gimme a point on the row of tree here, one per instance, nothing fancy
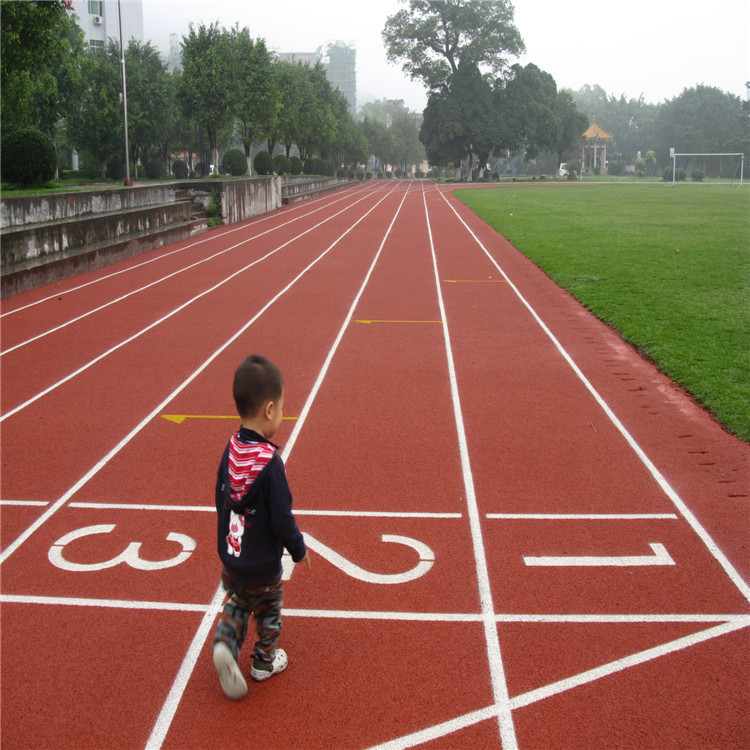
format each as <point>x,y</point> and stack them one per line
<point>702,119</point>
<point>477,104</point>
<point>231,91</point>
<point>472,117</point>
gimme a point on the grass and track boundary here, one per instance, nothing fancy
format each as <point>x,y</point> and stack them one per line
<point>669,269</point>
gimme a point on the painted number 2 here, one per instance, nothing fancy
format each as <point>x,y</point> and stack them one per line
<point>426,559</point>
<point>130,556</point>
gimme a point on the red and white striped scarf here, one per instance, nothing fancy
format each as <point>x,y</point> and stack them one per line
<point>246,461</point>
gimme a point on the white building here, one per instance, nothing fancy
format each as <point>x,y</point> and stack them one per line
<point>100,20</point>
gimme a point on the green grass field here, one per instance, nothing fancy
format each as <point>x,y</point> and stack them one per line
<point>669,268</point>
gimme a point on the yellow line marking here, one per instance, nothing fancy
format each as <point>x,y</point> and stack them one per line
<point>475,281</point>
<point>397,321</point>
<point>180,418</point>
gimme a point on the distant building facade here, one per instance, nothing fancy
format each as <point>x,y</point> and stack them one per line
<point>100,20</point>
<point>339,59</point>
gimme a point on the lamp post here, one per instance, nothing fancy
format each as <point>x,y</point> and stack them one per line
<point>124,100</point>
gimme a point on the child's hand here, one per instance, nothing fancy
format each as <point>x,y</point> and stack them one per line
<point>306,559</point>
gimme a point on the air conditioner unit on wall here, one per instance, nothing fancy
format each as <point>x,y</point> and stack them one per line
<point>98,20</point>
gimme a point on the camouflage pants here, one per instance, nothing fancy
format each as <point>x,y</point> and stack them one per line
<point>264,603</point>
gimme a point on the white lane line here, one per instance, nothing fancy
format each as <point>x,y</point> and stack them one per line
<point>582,516</point>
<point>737,623</point>
<point>176,310</point>
<point>678,502</point>
<point>25,503</point>
<point>67,601</point>
<point>162,279</point>
<point>133,506</point>
<point>497,671</point>
<point>169,708</point>
<point>475,717</point>
<point>211,509</point>
<point>365,614</point>
<point>326,365</point>
<point>160,407</point>
<point>250,223</point>
<point>375,514</point>
<point>440,730</point>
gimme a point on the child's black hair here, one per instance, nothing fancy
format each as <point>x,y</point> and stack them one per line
<point>256,382</point>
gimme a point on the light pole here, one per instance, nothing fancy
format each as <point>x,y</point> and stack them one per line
<point>124,100</point>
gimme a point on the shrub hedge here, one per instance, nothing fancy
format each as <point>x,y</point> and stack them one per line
<point>234,162</point>
<point>27,158</point>
<point>263,163</point>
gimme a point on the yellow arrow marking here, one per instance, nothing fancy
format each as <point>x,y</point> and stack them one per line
<point>180,418</point>
<point>475,281</point>
<point>397,321</point>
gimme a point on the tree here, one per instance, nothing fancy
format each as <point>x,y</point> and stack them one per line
<point>379,139</point>
<point>96,124</point>
<point>34,36</point>
<point>527,106</point>
<point>205,91</point>
<point>433,37</point>
<point>572,125</point>
<point>287,79</point>
<point>349,143</point>
<point>317,123</point>
<point>408,149</point>
<point>460,121</point>
<point>176,132</point>
<point>42,53</point>
<point>255,100</point>
<point>148,87</point>
<point>631,122</point>
<point>703,119</point>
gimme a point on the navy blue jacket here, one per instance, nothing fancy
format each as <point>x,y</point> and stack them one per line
<point>254,530</point>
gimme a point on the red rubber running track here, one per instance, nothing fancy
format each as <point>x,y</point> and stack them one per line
<point>522,535</point>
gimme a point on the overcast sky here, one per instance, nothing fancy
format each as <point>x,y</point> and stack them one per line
<point>655,48</point>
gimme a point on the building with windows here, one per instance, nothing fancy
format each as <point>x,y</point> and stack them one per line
<point>100,20</point>
<point>340,62</point>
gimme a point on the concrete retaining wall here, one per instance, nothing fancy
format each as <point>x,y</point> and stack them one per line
<point>33,241</point>
<point>295,189</point>
<point>52,236</point>
<point>35,209</point>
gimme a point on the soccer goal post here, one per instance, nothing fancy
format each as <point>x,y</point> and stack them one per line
<point>739,156</point>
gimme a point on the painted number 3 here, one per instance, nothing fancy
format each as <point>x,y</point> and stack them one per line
<point>131,555</point>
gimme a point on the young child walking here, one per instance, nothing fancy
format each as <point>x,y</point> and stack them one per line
<point>255,524</point>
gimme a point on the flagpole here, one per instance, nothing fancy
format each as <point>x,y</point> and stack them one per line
<point>124,100</point>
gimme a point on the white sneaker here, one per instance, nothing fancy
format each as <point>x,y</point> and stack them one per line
<point>279,664</point>
<point>232,682</point>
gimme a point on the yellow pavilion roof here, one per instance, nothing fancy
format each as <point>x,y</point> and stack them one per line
<point>595,131</point>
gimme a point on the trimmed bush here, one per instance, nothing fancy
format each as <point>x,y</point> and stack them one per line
<point>295,165</point>
<point>263,163</point>
<point>667,175</point>
<point>697,175</point>
<point>318,167</point>
<point>154,169</point>
<point>180,169</point>
<point>234,162</point>
<point>27,158</point>
<point>281,164</point>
